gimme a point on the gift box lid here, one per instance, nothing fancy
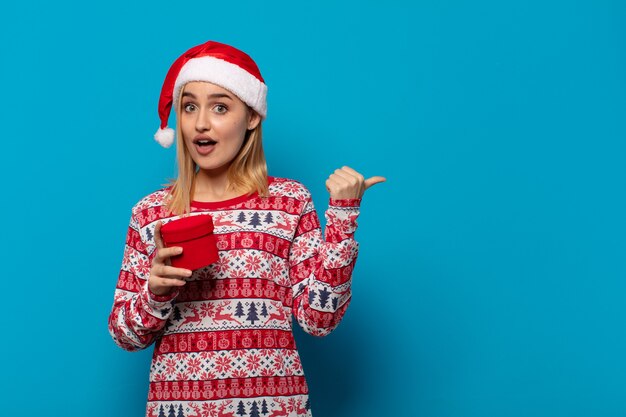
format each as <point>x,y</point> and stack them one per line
<point>186,228</point>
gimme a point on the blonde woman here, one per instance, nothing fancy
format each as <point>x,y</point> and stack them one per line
<point>223,333</point>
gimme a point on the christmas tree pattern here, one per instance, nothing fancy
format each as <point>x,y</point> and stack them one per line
<point>149,234</point>
<point>254,410</point>
<point>252,315</point>
<point>324,293</point>
<point>239,310</point>
<point>176,315</point>
<point>235,354</point>
<point>240,409</point>
<point>255,220</point>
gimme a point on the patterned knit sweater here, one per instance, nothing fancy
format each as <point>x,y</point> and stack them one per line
<point>223,342</point>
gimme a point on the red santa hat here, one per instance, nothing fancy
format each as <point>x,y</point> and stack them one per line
<point>216,63</point>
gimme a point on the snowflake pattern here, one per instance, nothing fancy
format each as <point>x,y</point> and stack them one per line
<point>232,321</point>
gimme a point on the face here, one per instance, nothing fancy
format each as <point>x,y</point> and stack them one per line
<point>214,122</point>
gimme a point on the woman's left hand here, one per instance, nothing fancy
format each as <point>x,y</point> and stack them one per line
<point>347,183</point>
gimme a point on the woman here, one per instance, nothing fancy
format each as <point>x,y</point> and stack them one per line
<point>223,333</point>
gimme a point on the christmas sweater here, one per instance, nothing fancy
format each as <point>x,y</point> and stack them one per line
<point>223,343</point>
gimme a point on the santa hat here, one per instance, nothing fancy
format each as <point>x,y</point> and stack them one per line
<point>216,63</point>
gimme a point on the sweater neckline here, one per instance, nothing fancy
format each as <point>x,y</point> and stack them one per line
<point>223,203</point>
<point>228,202</point>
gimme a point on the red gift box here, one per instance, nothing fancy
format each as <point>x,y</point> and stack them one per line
<point>195,235</point>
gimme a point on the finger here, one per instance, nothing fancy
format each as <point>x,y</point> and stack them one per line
<point>157,271</point>
<point>167,271</point>
<point>348,176</point>
<point>170,282</point>
<point>173,272</point>
<point>335,183</point>
<point>342,178</point>
<point>355,173</point>
<point>163,254</point>
<point>351,179</point>
<point>158,241</point>
<point>338,183</point>
<point>374,180</point>
<point>360,177</point>
<point>330,184</point>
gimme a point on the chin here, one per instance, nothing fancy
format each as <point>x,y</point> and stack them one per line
<point>212,161</point>
<point>212,167</point>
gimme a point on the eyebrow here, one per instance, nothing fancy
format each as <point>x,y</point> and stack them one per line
<point>216,95</point>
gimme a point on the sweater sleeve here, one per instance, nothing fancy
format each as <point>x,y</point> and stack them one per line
<point>320,269</point>
<point>138,315</point>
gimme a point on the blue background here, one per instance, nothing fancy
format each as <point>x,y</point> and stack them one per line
<point>491,277</point>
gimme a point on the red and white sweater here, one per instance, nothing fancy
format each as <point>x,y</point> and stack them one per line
<point>223,342</point>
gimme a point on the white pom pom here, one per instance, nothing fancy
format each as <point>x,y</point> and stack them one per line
<point>165,137</point>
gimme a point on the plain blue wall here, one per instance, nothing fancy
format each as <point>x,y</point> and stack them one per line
<point>491,277</point>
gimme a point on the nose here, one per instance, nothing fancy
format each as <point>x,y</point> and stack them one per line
<point>202,121</point>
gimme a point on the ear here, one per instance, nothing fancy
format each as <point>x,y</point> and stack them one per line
<point>253,119</point>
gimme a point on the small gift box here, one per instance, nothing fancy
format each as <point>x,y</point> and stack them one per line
<point>195,235</point>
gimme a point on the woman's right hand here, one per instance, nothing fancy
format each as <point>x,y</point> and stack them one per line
<point>164,277</point>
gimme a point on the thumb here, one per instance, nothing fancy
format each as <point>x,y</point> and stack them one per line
<point>157,235</point>
<point>374,180</point>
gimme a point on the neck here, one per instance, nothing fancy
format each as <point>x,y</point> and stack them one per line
<point>213,185</point>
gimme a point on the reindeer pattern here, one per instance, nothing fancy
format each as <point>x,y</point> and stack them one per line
<point>224,344</point>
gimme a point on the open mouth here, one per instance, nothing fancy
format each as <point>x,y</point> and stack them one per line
<point>205,142</point>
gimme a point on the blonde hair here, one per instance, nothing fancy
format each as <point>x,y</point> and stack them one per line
<point>247,171</point>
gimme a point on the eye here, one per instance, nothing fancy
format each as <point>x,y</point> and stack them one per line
<point>188,107</point>
<point>220,108</point>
